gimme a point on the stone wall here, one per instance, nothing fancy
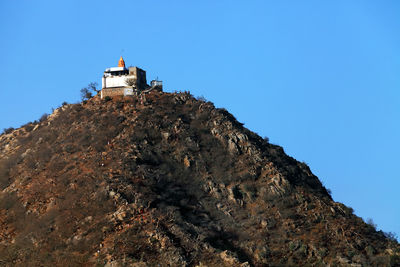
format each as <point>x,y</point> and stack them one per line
<point>120,91</point>
<point>140,77</point>
<point>112,92</point>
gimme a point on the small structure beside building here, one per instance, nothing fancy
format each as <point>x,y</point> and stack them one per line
<point>156,83</point>
<point>122,81</point>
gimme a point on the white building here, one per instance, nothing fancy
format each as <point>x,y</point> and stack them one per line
<point>122,81</point>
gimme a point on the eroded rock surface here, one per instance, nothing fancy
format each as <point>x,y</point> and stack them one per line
<point>167,181</point>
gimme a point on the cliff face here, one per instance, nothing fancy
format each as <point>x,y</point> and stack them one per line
<point>168,180</point>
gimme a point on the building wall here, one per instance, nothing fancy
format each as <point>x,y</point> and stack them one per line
<point>116,81</point>
<point>117,86</point>
<point>118,91</point>
<point>141,82</point>
<point>156,84</point>
<point>112,92</point>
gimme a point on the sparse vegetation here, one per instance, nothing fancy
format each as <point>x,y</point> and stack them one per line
<point>391,236</point>
<point>172,181</point>
<point>130,81</point>
<point>8,130</point>
<point>371,223</point>
<point>43,117</point>
<point>87,92</point>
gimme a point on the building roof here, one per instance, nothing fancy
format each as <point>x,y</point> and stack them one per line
<point>115,69</point>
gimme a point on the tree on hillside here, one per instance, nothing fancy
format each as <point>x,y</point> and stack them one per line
<point>130,81</point>
<point>86,92</point>
<point>93,87</point>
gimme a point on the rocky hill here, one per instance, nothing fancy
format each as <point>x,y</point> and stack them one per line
<point>168,180</point>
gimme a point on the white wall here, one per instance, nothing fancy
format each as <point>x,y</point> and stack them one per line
<point>115,81</point>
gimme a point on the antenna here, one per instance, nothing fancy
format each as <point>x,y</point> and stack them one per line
<point>122,51</point>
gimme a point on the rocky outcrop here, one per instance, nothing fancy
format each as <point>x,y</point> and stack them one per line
<point>167,180</point>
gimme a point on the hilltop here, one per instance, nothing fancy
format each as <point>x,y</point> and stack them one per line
<point>168,180</point>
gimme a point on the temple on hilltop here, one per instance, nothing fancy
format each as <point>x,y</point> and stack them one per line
<point>122,81</point>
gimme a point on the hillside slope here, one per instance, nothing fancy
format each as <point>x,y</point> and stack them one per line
<point>168,181</point>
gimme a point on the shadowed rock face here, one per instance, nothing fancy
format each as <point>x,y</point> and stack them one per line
<point>167,180</point>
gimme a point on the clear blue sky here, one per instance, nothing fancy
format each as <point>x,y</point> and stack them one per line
<point>320,78</point>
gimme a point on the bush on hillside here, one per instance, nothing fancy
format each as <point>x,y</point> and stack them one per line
<point>8,130</point>
<point>43,117</point>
